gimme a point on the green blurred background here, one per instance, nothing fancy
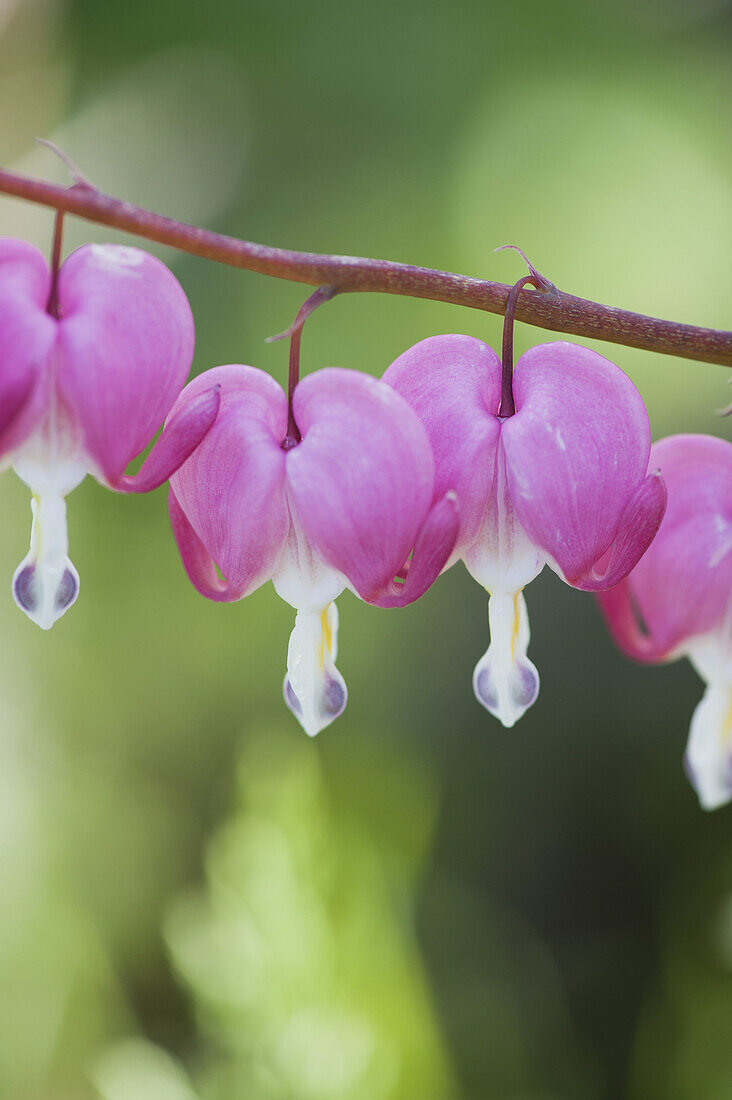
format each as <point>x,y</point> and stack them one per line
<point>198,903</point>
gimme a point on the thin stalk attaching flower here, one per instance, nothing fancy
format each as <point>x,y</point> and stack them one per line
<point>322,294</point>
<point>56,250</point>
<point>508,406</point>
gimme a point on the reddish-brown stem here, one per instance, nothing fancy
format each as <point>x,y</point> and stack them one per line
<point>58,234</point>
<point>507,406</point>
<point>321,295</point>
<point>560,312</point>
<point>293,436</point>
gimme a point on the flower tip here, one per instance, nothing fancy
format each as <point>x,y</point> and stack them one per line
<point>321,711</point>
<point>711,796</point>
<point>506,693</point>
<point>708,759</point>
<point>505,681</point>
<point>313,688</point>
<point>45,594</point>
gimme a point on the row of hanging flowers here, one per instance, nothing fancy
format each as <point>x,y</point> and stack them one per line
<point>372,485</point>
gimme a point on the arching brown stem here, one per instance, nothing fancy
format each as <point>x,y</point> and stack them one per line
<point>560,313</point>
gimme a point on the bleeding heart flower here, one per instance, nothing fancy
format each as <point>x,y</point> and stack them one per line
<point>677,602</point>
<point>89,367</point>
<point>561,482</point>
<point>343,508</point>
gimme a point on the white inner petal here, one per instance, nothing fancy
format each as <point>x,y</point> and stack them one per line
<point>711,654</point>
<point>502,558</point>
<point>314,689</point>
<point>46,584</point>
<point>51,460</point>
<point>302,578</point>
<point>505,681</point>
<point>51,463</point>
<point>708,757</point>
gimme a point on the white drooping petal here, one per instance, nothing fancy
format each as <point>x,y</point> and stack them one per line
<point>504,560</point>
<point>505,681</point>
<point>302,578</point>
<point>45,584</point>
<point>314,689</point>
<point>708,758</point>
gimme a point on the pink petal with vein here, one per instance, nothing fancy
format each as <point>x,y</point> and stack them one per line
<point>125,347</point>
<point>576,453</point>
<point>681,588</point>
<point>229,504</point>
<point>361,483</point>
<point>453,383</point>
<point>27,335</point>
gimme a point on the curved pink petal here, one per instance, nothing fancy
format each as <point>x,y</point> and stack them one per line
<point>125,348</point>
<point>197,562</point>
<point>681,587</point>
<point>361,480</point>
<point>432,550</point>
<point>453,383</point>
<point>27,334</point>
<point>638,525</point>
<point>577,452</point>
<point>622,615</point>
<point>182,434</point>
<point>15,391</point>
<point>231,491</point>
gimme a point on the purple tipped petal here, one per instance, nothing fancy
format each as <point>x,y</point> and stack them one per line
<point>46,584</point>
<point>182,434</point>
<point>432,550</point>
<point>638,525</point>
<point>27,334</point>
<point>313,688</point>
<point>505,681</point>
<point>361,481</point>
<point>453,383</point>
<point>577,452</point>
<point>44,604</point>
<point>232,490</point>
<point>125,349</point>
